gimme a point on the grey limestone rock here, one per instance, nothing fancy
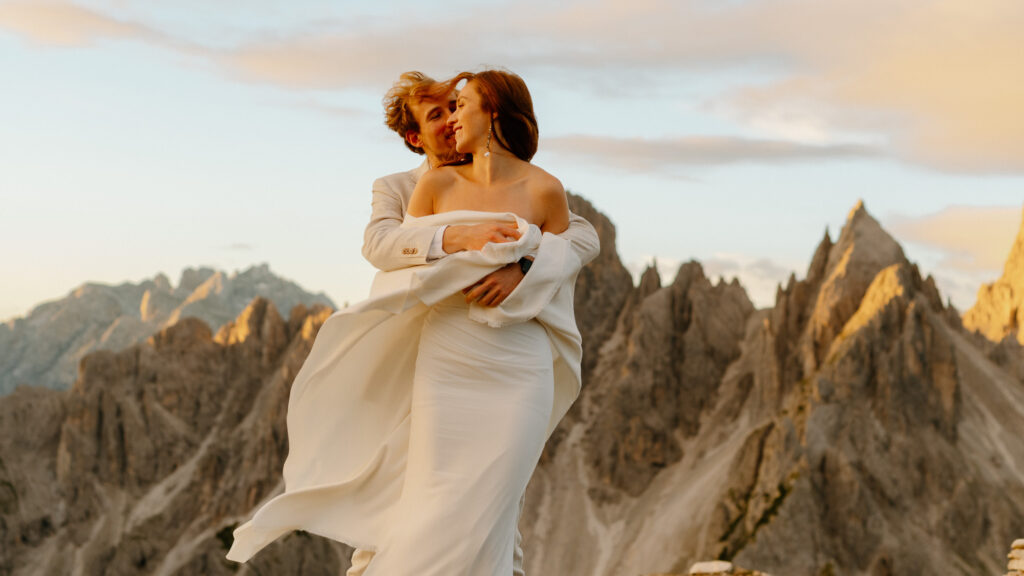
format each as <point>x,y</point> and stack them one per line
<point>851,429</point>
<point>45,347</point>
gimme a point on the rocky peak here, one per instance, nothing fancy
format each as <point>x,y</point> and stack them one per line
<point>1015,263</point>
<point>601,287</point>
<point>161,282</point>
<point>650,281</point>
<point>863,250</point>
<point>142,466</point>
<point>998,313</point>
<point>819,262</point>
<point>898,454</point>
<point>191,278</point>
<point>44,349</point>
<point>657,375</point>
<point>261,320</point>
<point>809,314</point>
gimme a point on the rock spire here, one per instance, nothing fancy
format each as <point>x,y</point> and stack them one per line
<point>999,311</point>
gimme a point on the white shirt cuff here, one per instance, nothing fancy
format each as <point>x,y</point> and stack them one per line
<point>436,250</point>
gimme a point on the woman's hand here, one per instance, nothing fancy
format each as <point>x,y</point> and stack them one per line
<point>492,289</point>
<point>473,237</point>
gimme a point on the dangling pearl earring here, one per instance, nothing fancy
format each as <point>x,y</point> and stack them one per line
<point>489,129</point>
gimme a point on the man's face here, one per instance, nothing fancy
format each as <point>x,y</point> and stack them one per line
<point>435,136</point>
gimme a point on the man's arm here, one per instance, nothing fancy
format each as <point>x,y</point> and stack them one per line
<point>386,244</point>
<point>583,238</point>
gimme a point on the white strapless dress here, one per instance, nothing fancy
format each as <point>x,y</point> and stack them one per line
<point>417,420</point>
<point>481,401</point>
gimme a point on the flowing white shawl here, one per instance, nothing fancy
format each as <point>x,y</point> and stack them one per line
<point>349,406</point>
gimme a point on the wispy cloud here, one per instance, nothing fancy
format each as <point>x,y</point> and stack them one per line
<point>969,238</point>
<point>644,155</point>
<point>937,82</point>
<point>65,24</point>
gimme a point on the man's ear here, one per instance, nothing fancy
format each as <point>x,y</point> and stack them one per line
<point>413,138</point>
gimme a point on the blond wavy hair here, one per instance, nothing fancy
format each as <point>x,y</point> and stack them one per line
<point>410,88</point>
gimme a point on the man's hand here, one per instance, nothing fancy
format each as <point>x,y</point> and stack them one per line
<point>474,237</point>
<point>492,289</point>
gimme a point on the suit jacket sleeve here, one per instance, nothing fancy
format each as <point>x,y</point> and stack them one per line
<point>386,244</point>
<point>583,238</point>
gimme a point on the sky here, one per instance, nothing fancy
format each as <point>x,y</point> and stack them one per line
<point>141,137</point>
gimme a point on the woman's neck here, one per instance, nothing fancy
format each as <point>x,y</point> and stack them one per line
<point>496,166</point>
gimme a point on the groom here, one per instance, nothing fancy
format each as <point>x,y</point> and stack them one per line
<point>417,109</point>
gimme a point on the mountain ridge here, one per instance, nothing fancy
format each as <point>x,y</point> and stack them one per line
<point>44,347</point>
<point>854,428</point>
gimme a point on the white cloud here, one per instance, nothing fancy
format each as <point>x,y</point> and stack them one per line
<point>963,247</point>
<point>760,277</point>
<point>968,238</point>
<point>666,267</point>
<point>937,81</point>
<point>644,155</point>
<point>65,24</point>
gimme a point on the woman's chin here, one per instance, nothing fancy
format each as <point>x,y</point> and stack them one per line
<point>466,146</point>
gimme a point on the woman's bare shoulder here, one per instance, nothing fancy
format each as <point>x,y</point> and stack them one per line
<point>543,184</point>
<point>550,201</point>
<point>438,178</point>
<point>430,187</point>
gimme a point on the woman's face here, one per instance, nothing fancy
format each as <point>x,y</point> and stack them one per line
<point>469,121</point>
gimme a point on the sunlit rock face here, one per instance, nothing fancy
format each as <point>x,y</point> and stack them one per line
<point>998,313</point>
<point>45,347</point>
<point>997,316</point>
<point>853,428</point>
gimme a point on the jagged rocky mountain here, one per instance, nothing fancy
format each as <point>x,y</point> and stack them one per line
<point>855,428</point>
<point>139,467</point>
<point>44,347</point>
<point>852,429</point>
<point>997,318</point>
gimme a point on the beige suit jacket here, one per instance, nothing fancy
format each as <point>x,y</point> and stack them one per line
<point>388,246</point>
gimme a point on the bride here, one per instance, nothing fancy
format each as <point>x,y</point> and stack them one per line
<point>420,414</point>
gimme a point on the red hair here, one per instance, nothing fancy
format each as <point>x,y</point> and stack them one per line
<point>505,94</point>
